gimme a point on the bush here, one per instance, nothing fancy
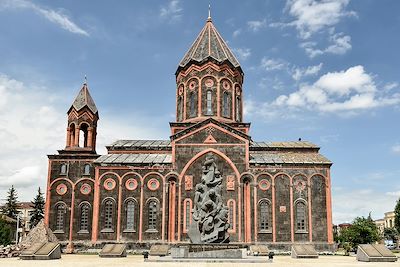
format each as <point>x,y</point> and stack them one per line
<point>5,233</point>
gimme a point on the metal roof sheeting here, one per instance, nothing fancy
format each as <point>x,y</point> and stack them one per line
<point>288,158</point>
<point>135,159</point>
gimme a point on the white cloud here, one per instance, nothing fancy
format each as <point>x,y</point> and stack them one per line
<point>396,148</point>
<point>394,193</point>
<point>242,53</point>
<point>32,125</point>
<point>313,16</point>
<point>353,89</point>
<point>299,73</point>
<point>390,86</point>
<point>237,32</point>
<point>340,44</point>
<point>270,64</point>
<point>363,201</point>
<point>56,17</point>
<point>345,93</point>
<point>172,11</point>
<point>256,25</point>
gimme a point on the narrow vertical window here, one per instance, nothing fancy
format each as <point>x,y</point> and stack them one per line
<point>60,219</point>
<point>153,215</point>
<point>209,103</point>
<point>300,216</point>
<point>63,169</point>
<point>84,223</point>
<point>238,106</point>
<point>188,213</point>
<point>180,102</point>
<point>231,214</point>
<point>226,105</point>
<point>192,104</point>
<point>130,215</point>
<point>108,214</point>
<point>86,169</point>
<point>264,221</point>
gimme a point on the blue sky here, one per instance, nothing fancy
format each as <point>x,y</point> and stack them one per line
<point>325,71</point>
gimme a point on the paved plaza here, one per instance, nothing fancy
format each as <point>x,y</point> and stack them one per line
<point>137,261</point>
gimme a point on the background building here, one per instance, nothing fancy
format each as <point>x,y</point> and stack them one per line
<point>142,191</point>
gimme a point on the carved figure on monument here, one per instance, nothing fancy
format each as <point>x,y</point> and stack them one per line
<point>210,216</point>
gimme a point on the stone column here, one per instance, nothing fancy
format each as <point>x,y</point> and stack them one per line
<point>76,141</point>
<point>90,137</point>
<point>68,144</point>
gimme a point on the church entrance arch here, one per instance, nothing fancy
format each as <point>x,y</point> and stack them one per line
<point>191,176</point>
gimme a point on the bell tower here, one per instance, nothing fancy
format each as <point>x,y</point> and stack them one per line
<point>82,123</point>
<point>209,81</point>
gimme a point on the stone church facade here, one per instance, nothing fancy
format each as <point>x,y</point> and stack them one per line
<point>142,191</point>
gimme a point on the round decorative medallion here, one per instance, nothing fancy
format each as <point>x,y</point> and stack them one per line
<point>226,85</point>
<point>86,189</point>
<point>209,82</point>
<point>264,184</point>
<point>192,85</point>
<point>109,184</point>
<point>131,184</point>
<point>238,90</point>
<point>300,185</point>
<point>180,90</point>
<point>153,184</point>
<point>61,189</point>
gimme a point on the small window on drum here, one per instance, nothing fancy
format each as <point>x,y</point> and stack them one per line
<point>63,169</point>
<point>209,110</point>
<point>86,169</point>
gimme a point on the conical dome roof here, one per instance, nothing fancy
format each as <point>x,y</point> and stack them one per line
<point>84,99</point>
<point>209,45</point>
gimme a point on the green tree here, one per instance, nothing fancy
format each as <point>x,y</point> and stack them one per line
<point>397,216</point>
<point>38,209</point>
<point>10,208</point>
<point>362,231</point>
<point>5,233</point>
<point>390,234</point>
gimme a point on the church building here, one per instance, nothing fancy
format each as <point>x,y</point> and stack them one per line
<point>142,191</point>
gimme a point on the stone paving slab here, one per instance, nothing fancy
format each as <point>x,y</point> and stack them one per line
<point>137,261</point>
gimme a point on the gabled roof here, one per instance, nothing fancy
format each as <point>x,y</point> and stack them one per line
<point>207,121</point>
<point>84,99</point>
<point>209,45</point>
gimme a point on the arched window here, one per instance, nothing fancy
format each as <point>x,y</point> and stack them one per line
<point>180,104</point>
<point>63,169</point>
<point>192,99</point>
<point>265,216</point>
<point>83,135</point>
<point>226,109</point>
<point>209,103</point>
<point>86,169</point>
<point>238,107</point>
<point>60,219</point>
<point>300,216</point>
<point>108,214</point>
<point>84,223</point>
<point>152,215</point>
<point>130,215</point>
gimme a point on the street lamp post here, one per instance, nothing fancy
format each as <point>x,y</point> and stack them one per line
<point>16,233</point>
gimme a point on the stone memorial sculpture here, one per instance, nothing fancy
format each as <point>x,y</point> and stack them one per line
<point>210,216</point>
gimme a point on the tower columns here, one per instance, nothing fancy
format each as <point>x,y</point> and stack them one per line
<point>90,137</point>
<point>68,143</point>
<point>76,141</point>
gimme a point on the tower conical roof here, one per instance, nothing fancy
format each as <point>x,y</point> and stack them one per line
<point>84,99</point>
<point>209,45</point>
